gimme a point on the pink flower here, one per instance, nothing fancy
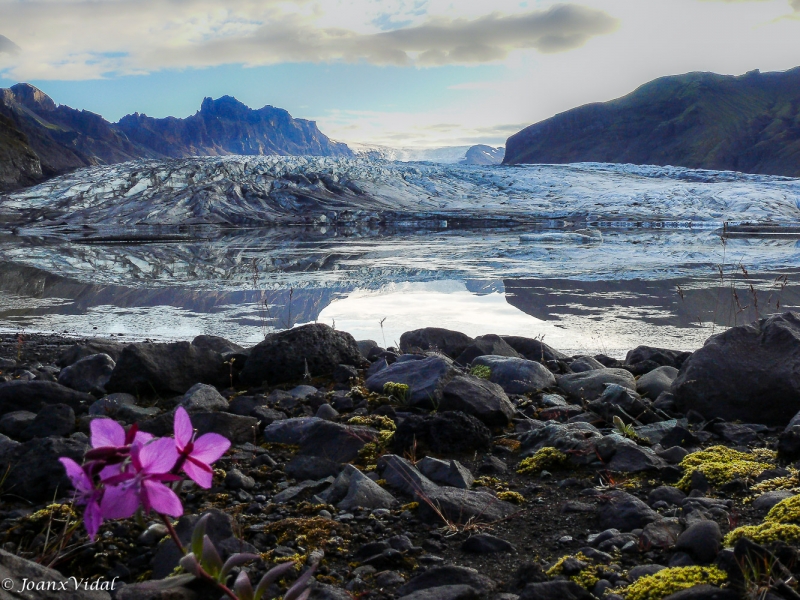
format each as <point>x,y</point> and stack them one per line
<point>143,484</point>
<point>85,493</point>
<point>112,444</point>
<point>197,455</point>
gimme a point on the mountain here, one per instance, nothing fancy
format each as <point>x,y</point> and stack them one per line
<point>749,123</point>
<point>39,139</point>
<point>483,155</point>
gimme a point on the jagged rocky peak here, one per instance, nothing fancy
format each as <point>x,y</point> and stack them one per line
<point>29,96</point>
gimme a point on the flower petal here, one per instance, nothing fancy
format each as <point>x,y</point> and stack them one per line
<point>92,519</point>
<point>119,501</point>
<point>183,428</point>
<point>142,437</point>
<point>80,480</point>
<point>157,456</point>
<point>198,472</point>
<point>106,432</point>
<point>162,499</point>
<point>209,447</point>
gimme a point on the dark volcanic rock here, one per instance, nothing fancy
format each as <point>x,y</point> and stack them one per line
<point>485,345</point>
<point>425,379</point>
<point>702,540</point>
<point>517,375</point>
<point>34,395</point>
<point>56,419</point>
<point>659,356</point>
<point>16,569</point>
<point>451,343</point>
<point>334,441</point>
<point>148,369</point>
<point>555,590</point>
<point>591,384</point>
<point>625,512</point>
<point>284,356</point>
<point>480,398</point>
<point>576,440</point>
<point>485,543</point>
<point>89,347</point>
<point>655,382</point>
<point>449,575</point>
<point>536,350</point>
<point>89,374</point>
<point>732,374</point>
<point>35,472</point>
<point>447,433</point>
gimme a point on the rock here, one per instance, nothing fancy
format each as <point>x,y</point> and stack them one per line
<point>326,412</point>
<point>480,398</point>
<point>581,364</point>
<point>311,467</point>
<point>219,528</point>
<point>577,440</point>
<point>445,592</point>
<point>34,395</point>
<point>517,375</point>
<point>284,356</point>
<point>591,384</point>
<point>334,441</point>
<point>629,457</point>
<point>484,543</point>
<point>447,576</point>
<point>147,369</point>
<point>322,591</point>
<point>14,423</point>
<point>360,491</point>
<point>446,433</point>
<point>536,350</point>
<point>767,500</point>
<point>54,586</point>
<point>492,465</point>
<point>88,348</point>
<point>344,373</point>
<point>673,455</point>
<point>555,590</point>
<point>657,381</point>
<point>740,435</point>
<point>642,570</point>
<point>660,535</point>
<point>288,431</point>
<point>655,432</point>
<point>679,436</point>
<point>236,480</point>
<point>244,405</point>
<point>217,344</point>
<point>665,493</point>
<point>303,489</point>
<point>301,392</point>
<point>451,343</point>
<point>171,588</point>
<point>237,429</point>
<point>108,406</point>
<point>89,374</point>
<point>622,402</point>
<point>365,347</point>
<point>425,379</point>
<point>701,540</point>
<point>203,398</point>
<point>485,345</point>
<point>734,371</point>
<point>35,472</point>
<point>451,473</point>
<point>707,592</point>
<point>658,356</point>
<point>266,416</point>
<point>625,512</point>
<point>57,420</point>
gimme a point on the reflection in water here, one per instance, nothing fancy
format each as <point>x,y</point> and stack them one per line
<point>627,287</point>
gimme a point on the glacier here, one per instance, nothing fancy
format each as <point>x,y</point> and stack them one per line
<point>283,190</point>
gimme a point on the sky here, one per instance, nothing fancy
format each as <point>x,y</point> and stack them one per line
<point>401,73</point>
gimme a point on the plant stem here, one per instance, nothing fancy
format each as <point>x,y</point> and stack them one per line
<point>173,534</point>
<point>220,586</point>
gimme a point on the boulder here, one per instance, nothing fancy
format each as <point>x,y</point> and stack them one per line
<point>625,512</point>
<point>90,374</point>
<point>287,355</point>
<point>34,472</point>
<point>425,380</point>
<point>14,423</point>
<point>35,395</point>
<point>657,381</point>
<point>451,343</point>
<point>536,350</point>
<point>576,440</point>
<point>702,540</point>
<point>445,433</point>
<point>54,586</point>
<point>57,420</point>
<point>446,576</point>
<point>555,590</point>
<point>353,490</point>
<point>517,375</point>
<point>485,345</point>
<point>590,385</point>
<point>480,398</point>
<point>236,428</point>
<point>732,374</point>
<point>89,347</point>
<point>445,592</point>
<point>148,369</point>
<point>485,543</point>
<point>203,398</point>
<point>657,356</point>
<point>622,402</point>
<point>451,473</point>
<point>581,364</point>
<point>366,347</point>
<point>288,431</point>
<point>334,441</point>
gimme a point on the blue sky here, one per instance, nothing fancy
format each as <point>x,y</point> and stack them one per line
<point>394,72</point>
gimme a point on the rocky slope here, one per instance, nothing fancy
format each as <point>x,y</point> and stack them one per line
<point>482,154</point>
<point>749,123</point>
<point>64,139</point>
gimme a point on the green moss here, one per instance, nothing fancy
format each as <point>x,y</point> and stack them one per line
<point>586,578</point>
<point>376,421</point>
<point>481,371</point>
<point>785,511</point>
<point>545,458</point>
<point>668,581</point>
<point>765,533</point>
<point>721,464</point>
<point>513,497</point>
<point>789,482</point>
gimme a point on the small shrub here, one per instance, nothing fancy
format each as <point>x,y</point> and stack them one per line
<point>397,390</point>
<point>765,533</point>
<point>669,581</point>
<point>721,465</point>
<point>513,497</point>
<point>785,511</point>
<point>481,371</point>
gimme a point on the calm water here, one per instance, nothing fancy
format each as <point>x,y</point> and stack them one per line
<point>605,292</point>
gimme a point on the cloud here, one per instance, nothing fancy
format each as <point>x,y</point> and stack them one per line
<point>8,47</point>
<point>795,4</point>
<point>79,39</point>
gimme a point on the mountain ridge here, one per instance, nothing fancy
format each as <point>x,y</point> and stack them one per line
<point>748,123</point>
<point>40,139</point>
